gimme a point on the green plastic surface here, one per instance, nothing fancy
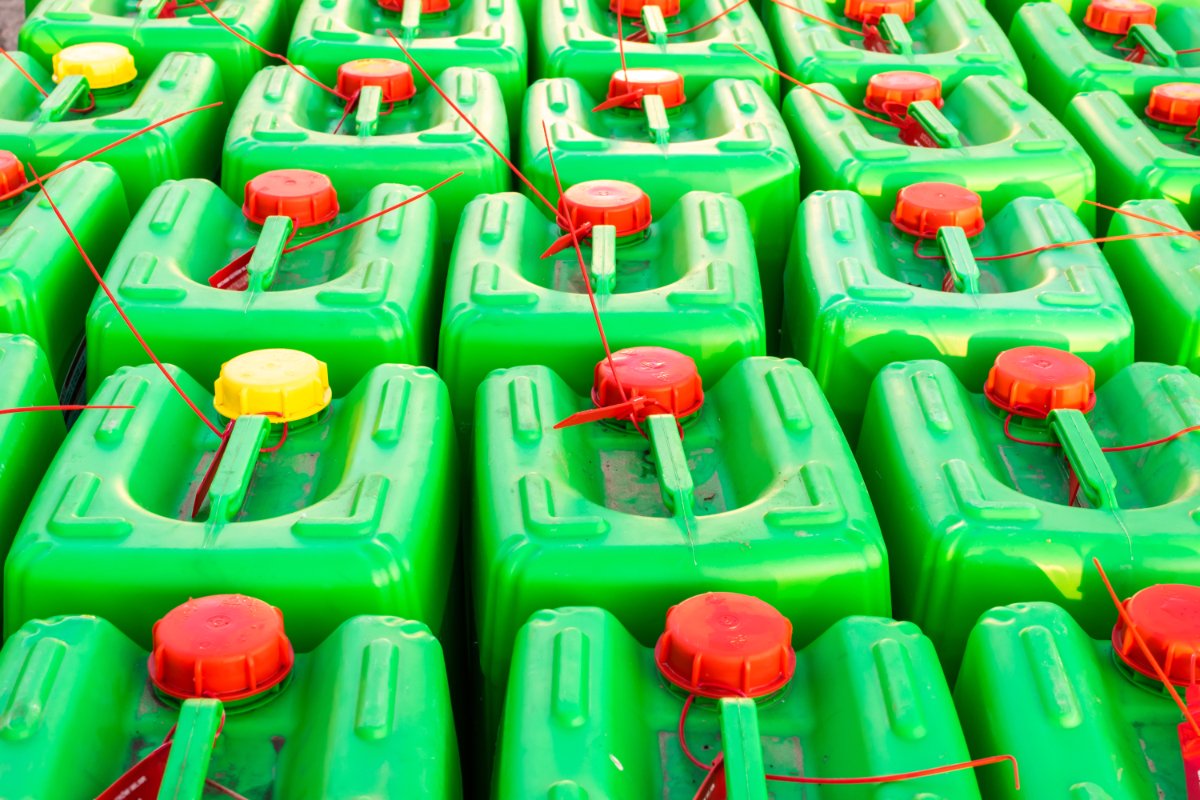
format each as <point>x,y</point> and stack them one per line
<point>362,298</point>
<point>1069,57</point>
<point>483,34</point>
<point>1034,684</point>
<point>150,38</point>
<point>45,132</point>
<point>949,39</point>
<point>363,716</point>
<point>761,496</point>
<point>1011,147</point>
<point>578,39</point>
<point>973,520</point>
<point>1158,277</point>
<point>327,527</point>
<point>45,287</point>
<point>283,121</point>
<point>857,298</point>
<point>1004,11</point>
<point>588,714</point>
<point>728,138</point>
<point>1135,158</point>
<point>688,283</point>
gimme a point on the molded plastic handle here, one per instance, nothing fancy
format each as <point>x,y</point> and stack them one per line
<point>741,747</point>
<point>1091,467</point>
<point>934,123</point>
<point>656,119</point>
<point>674,479</point>
<point>268,251</point>
<point>960,261</point>
<point>654,25</point>
<point>232,479</point>
<point>1150,40</point>
<point>370,99</point>
<point>603,269</point>
<point>894,34</point>
<point>191,750</point>
<point>150,9</point>
<point>410,22</point>
<point>70,91</point>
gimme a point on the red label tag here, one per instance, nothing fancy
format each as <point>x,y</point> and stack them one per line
<point>713,787</point>
<point>143,779</point>
<point>913,133</point>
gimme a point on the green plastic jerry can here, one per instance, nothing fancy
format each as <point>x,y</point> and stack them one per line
<point>863,291</point>
<point>1092,49</point>
<point>100,98</point>
<point>1005,10</point>
<point>440,34</point>
<point>324,507</point>
<point>1146,149</point>
<point>1084,714</point>
<point>671,137</point>
<point>699,39</point>
<point>45,287</point>
<point>1158,280</point>
<point>989,136</point>
<point>388,131</point>
<point>207,278</point>
<point>723,699</point>
<point>153,29</point>
<point>226,704</point>
<point>1007,495</point>
<point>746,484</point>
<point>686,281</point>
<point>948,39</point>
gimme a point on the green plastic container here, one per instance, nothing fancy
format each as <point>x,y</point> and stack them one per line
<point>283,121</point>
<point>949,39</point>
<point>362,715</point>
<point>726,137</point>
<point>993,138</point>
<point>1138,157</point>
<point>974,519</point>
<point>482,34</point>
<point>46,132</point>
<point>1080,718</point>
<point>153,29</point>
<point>687,282</point>
<point>593,712</point>
<point>44,285</point>
<point>1004,11</point>
<point>578,39</point>
<point>356,513</point>
<point>857,297</point>
<point>356,300</point>
<point>1157,278</point>
<point>1070,56</point>
<point>751,489</point>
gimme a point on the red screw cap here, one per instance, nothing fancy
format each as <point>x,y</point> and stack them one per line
<point>633,8</point>
<point>394,78</point>
<point>1175,104</point>
<point>1115,16</point>
<point>869,11</point>
<point>922,208</point>
<point>427,6</point>
<point>307,197</point>
<point>1168,618</point>
<point>723,644</point>
<point>226,646</point>
<point>1033,381</point>
<point>12,172</point>
<point>616,203</point>
<point>665,83</point>
<point>666,378</point>
<point>900,89</point>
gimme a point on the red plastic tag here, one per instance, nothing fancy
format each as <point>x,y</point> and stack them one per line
<point>913,133</point>
<point>567,240</point>
<point>233,276</point>
<point>713,787</point>
<point>872,41</point>
<point>143,779</point>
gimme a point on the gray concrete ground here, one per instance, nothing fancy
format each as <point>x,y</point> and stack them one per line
<point>12,14</point>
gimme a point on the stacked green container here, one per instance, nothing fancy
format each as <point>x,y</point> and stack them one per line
<point>355,300</point>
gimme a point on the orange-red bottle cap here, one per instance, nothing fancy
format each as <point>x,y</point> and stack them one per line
<point>604,202</point>
<point>307,197</point>
<point>1033,381</point>
<point>226,646</point>
<point>1168,618</point>
<point>665,83</point>
<point>923,208</point>
<point>427,6</point>
<point>633,8</point>
<point>667,379</point>
<point>1115,16</point>
<point>723,644</point>
<point>870,11</point>
<point>900,88</point>
<point>394,78</point>
<point>1175,104</point>
<point>12,172</point>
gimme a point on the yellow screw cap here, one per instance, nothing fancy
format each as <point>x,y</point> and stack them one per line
<point>285,385</point>
<point>104,64</point>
